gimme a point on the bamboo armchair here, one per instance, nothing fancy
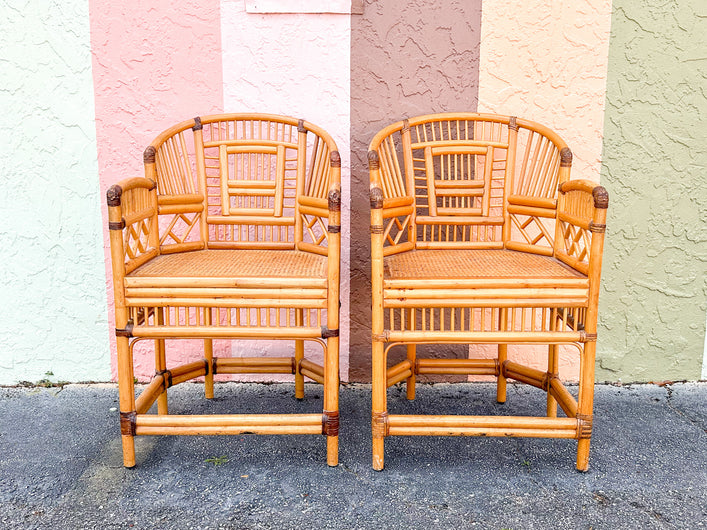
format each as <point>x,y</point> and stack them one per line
<point>233,233</point>
<point>470,243</point>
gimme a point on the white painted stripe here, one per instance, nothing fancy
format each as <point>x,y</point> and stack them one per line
<point>297,66</point>
<point>53,321</point>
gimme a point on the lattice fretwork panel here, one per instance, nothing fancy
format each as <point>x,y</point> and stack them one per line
<point>532,230</point>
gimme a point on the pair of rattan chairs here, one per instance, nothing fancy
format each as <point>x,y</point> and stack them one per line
<point>477,236</point>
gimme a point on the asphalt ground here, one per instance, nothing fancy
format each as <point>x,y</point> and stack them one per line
<point>61,464</point>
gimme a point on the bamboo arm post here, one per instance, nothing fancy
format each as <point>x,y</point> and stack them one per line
<point>379,405</point>
<point>331,353</point>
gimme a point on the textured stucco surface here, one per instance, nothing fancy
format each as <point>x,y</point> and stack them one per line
<point>53,310</point>
<point>652,308</point>
<point>153,67</point>
<point>297,65</point>
<point>547,61</point>
<point>407,59</point>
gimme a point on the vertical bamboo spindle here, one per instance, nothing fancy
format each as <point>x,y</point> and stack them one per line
<point>586,403</point>
<point>126,388</point>
<point>299,355</point>
<point>509,176</point>
<point>564,175</point>
<point>201,170</point>
<point>331,364</point>
<point>301,175</point>
<point>409,165</point>
<point>379,407</point>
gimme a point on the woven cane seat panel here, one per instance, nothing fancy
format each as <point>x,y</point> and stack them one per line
<point>419,264</point>
<point>235,264</point>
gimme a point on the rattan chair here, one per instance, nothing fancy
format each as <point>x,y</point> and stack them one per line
<point>234,233</point>
<point>471,243</point>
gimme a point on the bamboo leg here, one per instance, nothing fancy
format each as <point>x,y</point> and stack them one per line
<point>331,396</point>
<point>585,403</point>
<point>126,391</point>
<point>502,357</point>
<point>379,407</point>
<point>410,382</point>
<point>161,363</point>
<point>162,407</point>
<point>299,355</point>
<point>209,378</point>
<point>501,380</point>
<point>552,368</point>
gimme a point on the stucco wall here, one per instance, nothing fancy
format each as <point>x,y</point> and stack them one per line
<point>297,65</point>
<point>547,61</point>
<point>53,310</point>
<point>652,308</point>
<point>152,68</point>
<point>407,58</point>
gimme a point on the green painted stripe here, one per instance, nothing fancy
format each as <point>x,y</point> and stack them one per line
<point>652,306</point>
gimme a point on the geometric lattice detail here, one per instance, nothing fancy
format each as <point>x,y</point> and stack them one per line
<point>315,228</point>
<point>395,229</point>
<point>137,238</point>
<point>577,241</point>
<point>533,230</point>
<point>179,228</point>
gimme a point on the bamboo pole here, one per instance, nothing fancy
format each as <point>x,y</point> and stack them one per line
<point>552,369</point>
<point>331,353</point>
<point>161,363</point>
<point>209,357</point>
<point>379,406</point>
<point>563,398</point>
<point>149,395</point>
<point>126,388</point>
<point>313,371</point>
<point>299,356</point>
<point>586,385</point>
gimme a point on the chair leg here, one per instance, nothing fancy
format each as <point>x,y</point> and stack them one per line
<point>209,378</point>
<point>331,400</point>
<point>552,368</point>
<point>501,379</point>
<point>161,363</point>
<point>379,409</point>
<point>299,355</point>
<point>585,405</point>
<point>410,381</point>
<point>126,391</point>
<point>299,378</point>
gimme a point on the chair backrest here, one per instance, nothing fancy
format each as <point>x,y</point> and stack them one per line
<point>466,180</point>
<point>243,181</point>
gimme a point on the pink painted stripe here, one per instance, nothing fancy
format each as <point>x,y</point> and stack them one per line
<point>152,67</point>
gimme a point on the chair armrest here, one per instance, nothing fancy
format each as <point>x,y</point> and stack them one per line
<point>581,223</point>
<point>132,221</point>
